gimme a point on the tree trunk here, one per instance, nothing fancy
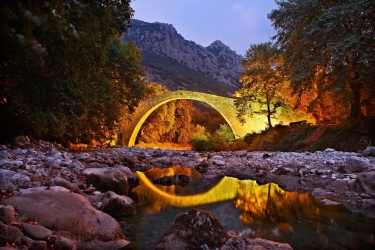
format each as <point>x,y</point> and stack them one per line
<point>269,112</point>
<point>355,102</point>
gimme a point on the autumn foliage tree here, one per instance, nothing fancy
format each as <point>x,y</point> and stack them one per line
<point>171,122</point>
<point>329,46</point>
<point>263,82</point>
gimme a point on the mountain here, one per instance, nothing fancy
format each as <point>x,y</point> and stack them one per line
<point>171,60</point>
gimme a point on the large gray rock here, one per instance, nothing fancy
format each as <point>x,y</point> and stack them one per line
<point>117,205</point>
<point>193,229</point>
<point>58,181</point>
<point>70,215</point>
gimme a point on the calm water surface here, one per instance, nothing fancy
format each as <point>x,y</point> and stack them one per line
<point>255,211</point>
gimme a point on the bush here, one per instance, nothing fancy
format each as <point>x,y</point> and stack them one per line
<point>201,145</point>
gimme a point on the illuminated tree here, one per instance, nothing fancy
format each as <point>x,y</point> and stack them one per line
<point>183,129</point>
<point>161,120</point>
<point>334,40</point>
<point>263,82</point>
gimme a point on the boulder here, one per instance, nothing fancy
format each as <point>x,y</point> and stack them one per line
<point>236,242</point>
<point>8,234</point>
<point>202,167</point>
<point>369,151</point>
<point>365,183</point>
<point>162,162</point>
<point>119,179</point>
<point>62,243</point>
<point>70,215</point>
<point>117,205</point>
<point>7,214</point>
<point>107,179</point>
<point>25,241</point>
<point>36,232</point>
<point>133,179</point>
<point>38,245</point>
<point>319,193</point>
<point>356,164</point>
<point>58,181</point>
<point>193,229</point>
<point>339,186</point>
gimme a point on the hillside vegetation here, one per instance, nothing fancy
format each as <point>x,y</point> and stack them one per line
<point>182,77</point>
<point>344,137</point>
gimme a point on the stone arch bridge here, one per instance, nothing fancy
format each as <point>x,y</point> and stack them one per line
<point>224,105</point>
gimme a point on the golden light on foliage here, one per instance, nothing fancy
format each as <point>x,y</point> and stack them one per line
<point>267,203</point>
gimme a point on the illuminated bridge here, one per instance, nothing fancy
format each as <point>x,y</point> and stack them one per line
<point>224,105</point>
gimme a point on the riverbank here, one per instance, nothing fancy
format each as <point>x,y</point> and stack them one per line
<point>33,170</point>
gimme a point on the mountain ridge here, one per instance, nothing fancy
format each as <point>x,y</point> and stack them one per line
<point>159,41</point>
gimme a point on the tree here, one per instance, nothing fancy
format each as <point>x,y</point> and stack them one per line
<point>329,45</point>
<point>161,120</point>
<point>262,82</point>
<point>183,128</point>
<point>63,73</point>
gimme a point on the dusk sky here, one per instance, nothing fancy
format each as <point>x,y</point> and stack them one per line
<point>237,23</point>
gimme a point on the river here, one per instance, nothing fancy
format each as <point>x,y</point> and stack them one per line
<point>255,211</point>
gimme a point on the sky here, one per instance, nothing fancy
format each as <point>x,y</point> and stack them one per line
<point>237,23</point>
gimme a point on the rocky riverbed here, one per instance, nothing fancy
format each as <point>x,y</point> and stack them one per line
<point>53,197</point>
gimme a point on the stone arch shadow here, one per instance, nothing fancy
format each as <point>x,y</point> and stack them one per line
<point>224,105</point>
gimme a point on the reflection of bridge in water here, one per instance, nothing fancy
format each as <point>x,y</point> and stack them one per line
<point>246,194</point>
<point>224,105</point>
<point>225,190</point>
<point>265,211</point>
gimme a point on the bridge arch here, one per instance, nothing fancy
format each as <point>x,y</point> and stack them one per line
<point>224,105</point>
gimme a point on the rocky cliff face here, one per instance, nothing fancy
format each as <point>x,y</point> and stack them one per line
<point>217,60</point>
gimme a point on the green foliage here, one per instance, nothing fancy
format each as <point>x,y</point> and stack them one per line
<point>221,140</point>
<point>63,74</point>
<point>225,132</point>
<point>329,47</point>
<point>263,82</point>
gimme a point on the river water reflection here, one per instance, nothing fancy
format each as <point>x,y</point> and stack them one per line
<point>255,211</point>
